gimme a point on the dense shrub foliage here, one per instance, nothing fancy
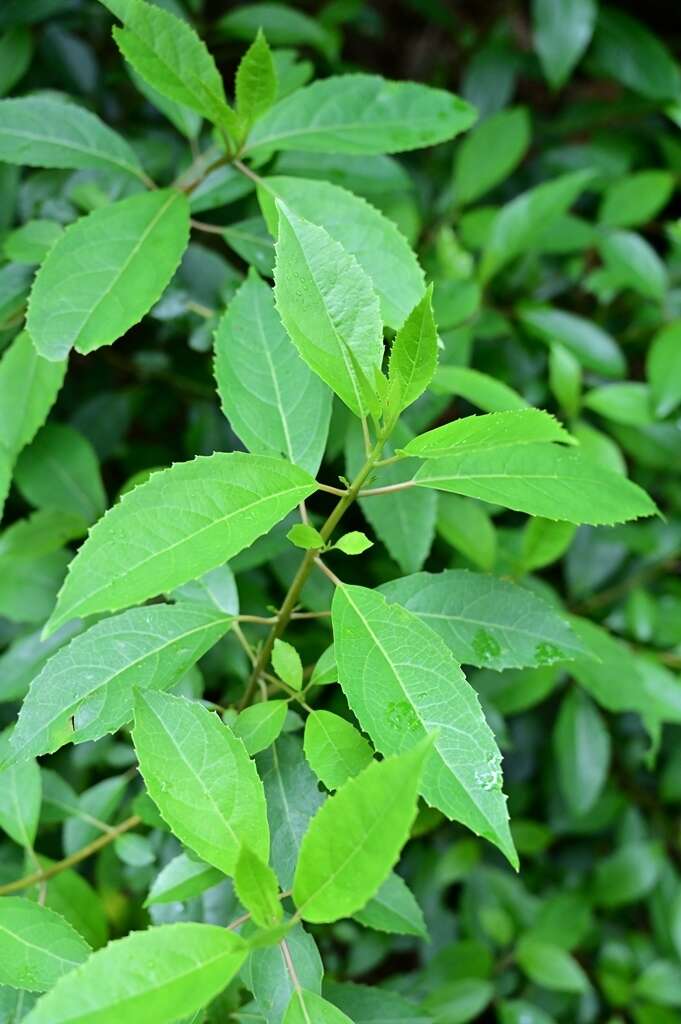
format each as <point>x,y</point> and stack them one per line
<point>339,619</point>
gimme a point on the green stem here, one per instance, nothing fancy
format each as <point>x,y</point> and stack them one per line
<point>97,844</point>
<point>300,578</point>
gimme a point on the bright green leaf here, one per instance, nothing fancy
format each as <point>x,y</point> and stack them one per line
<point>86,689</point>
<point>157,975</point>
<point>272,399</point>
<point>179,524</point>
<point>361,114</point>
<point>398,699</point>
<point>200,777</point>
<point>257,888</point>
<point>496,430</point>
<point>106,271</point>
<point>490,152</point>
<point>287,664</point>
<point>541,480</point>
<point>329,309</point>
<point>334,749</point>
<point>37,946</point>
<point>356,836</point>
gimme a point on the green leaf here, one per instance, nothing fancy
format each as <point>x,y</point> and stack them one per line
<point>544,541</point>
<point>413,356</point>
<point>633,263</point>
<point>356,836</point>
<point>398,699</point>
<point>200,777</point>
<point>460,1001</point>
<point>183,878</point>
<point>49,132</point>
<point>477,388</point>
<point>627,875</point>
<point>306,1007</point>
<point>363,231</point>
<point>287,664</point>
<point>633,201</point>
<point>256,82</point>
<point>267,976</point>
<point>97,804</point>
<point>273,401</point>
<point>259,725</point>
<point>353,543</point>
<point>329,309</point>
<point>627,402</point>
<point>29,586</point>
<point>524,219</point>
<point>551,967</point>
<point>305,536</point>
<point>86,689</point>
<point>582,745</point>
<point>37,946</point>
<point>283,25</point>
<point>562,32</point>
<point>29,386</point>
<point>366,1005</point>
<point>169,55</point>
<point>496,430</point>
<point>32,241</point>
<point>590,344</point>
<point>59,470</point>
<point>158,975</point>
<point>131,249</point>
<point>466,526</point>
<point>486,621</point>
<point>16,51</point>
<point>257,888</point>
<point>20,798</point>
<point>663,367</point>
<point>179,524</point>
<point>361,114</point>
<point>5,477</point>
<point>541,480</point>
<point>393,909</point>
<point>490,153</point>
<point>334,749</point>
<point>393,521</point>
<point>187,121</point>
<point>631,54</point>
<point>292,798</point>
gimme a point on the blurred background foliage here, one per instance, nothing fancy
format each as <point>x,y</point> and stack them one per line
<point>585,320</point>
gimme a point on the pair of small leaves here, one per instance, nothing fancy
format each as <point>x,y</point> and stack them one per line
<point>306,537</point>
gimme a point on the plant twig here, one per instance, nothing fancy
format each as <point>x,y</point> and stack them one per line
<point>39,877</point>
<point>373,492</point>
<point>291,600</point>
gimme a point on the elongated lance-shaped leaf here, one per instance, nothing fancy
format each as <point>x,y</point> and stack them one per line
<point>183,878</point>
<point>20,797</point>
<point>485,621</point>
<point>356,837</point>
<point>157,975</point>
<point>41,131</point>
<point>361,114</point>
<point>495,430</point>
<point>363,231</point>
<point>200,777</point>
<point>402,683</point>
<point>518,224</point>
<point>106,271</point>
<point>37,946</point>
<point>272,399</point>
<point>256,886</point>
<point>334,749</point>
<point>86,689</point>
<point>29,385</point>
<point>329,309</point>
<point>179,524</point>
<point>413,356</point>
<point>542,480</point>
<point>255,85</point>
<point>169,55</point>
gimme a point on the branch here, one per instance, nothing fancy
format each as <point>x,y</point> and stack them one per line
<point>390,489</point>
<point>75,858</point>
